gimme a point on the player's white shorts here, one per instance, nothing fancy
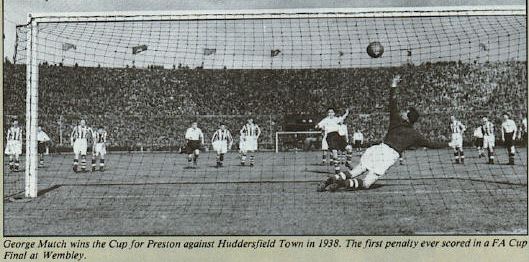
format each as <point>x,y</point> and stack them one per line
<point>457,140</point>
<point>488,142</point>
<point>324,145</point>
<point>100,148</point>
<point>79,146</point>
<point>249,144</point>
<point>220,146</point>
<point>379,158</point>
<point>13,147</point>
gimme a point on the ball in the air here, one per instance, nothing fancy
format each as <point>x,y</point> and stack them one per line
<point>375,49</point>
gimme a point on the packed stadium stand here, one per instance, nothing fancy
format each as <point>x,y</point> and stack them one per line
<point>151,108</point>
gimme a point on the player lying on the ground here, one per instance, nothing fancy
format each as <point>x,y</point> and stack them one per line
<point>457,129</point>
<point>194,140</point>
<point>42,144</point>
<point>14,146</point>
<point>79,141</point>
<point>249,136</point>
<point>99,139</point>
<point>377,159</point>
<point>221,142</point>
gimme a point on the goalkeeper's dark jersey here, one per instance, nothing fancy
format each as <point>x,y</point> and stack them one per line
<point>401,134</point>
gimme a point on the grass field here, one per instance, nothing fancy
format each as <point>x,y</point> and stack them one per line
<point>154,194</point>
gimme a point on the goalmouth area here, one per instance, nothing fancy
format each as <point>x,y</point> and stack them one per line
<point>154,194</point>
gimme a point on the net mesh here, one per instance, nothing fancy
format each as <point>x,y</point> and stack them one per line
<point>146,81</point>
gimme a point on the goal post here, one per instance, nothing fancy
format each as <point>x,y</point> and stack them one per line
<point>292,133</point>
<point>101,40</point>
<point>32,76</point>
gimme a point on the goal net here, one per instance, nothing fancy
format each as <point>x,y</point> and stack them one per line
<point>145,77</point>
<point>298,141</point>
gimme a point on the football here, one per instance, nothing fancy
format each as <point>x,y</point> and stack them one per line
<point>375,49</point>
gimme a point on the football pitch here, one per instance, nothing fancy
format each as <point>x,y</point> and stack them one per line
<point>153,193</point>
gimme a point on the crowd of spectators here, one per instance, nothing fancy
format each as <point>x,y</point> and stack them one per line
<point>153,107</point>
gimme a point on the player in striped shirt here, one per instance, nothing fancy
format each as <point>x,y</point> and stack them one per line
<point>194,140</point>
<point>457,129</point>
<point>99,138</point>
<point>221,142</point>
<point>249,136</point>
<point>79,141</point>
<point>14,146</point>
<point>508,135</point>
<point>488,138</point>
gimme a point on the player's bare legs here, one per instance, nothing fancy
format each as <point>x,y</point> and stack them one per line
<point>336,161</point>
<point>195,157</point>
<point>83,162</point>
<point>101,162</point>
<point>490,152</point>
<point>41,159</point>
<point>17,163</point>
<point>11,163</point>
<point>94,162</point>
<point>189,160</point>
<point>14,164</point>
<point>252,158</point>
<point>243,158</point>
<point>76,162</point>
<point>480,151</point>
<point>220,159</point>
<point>512,152</point>
<point>459,155</point>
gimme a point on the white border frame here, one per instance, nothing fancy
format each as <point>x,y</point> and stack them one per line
<point>280,13</point>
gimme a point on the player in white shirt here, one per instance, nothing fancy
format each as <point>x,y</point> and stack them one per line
<point>488,138</point>
<point>99,139</point>
<point>478,136</point>
<point>79,142</point>
<point>508,135</point>
<point>42,144</point>
<point>194,140</point>
<point>221,142</point>
<point>14,146</point>
<point>331,126</point>
<point>457,129</point>
<point>358,139</point>
<point>249,136</point>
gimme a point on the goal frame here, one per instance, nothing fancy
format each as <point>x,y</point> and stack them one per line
<point>290,133</point>
<point>34,19</point>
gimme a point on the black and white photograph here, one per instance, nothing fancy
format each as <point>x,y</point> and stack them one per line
<point>264,118</point>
